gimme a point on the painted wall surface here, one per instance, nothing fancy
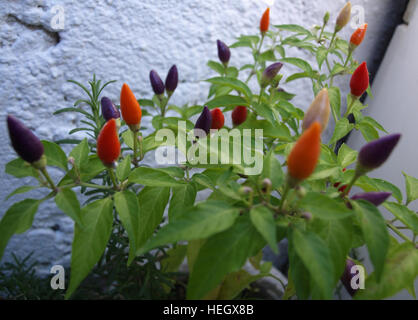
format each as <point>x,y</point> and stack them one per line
<point>124,40</point>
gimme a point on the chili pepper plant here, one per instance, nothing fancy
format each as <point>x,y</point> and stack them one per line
<point>302,192</point>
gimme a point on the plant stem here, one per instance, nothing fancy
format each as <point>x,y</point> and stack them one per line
<point>396,230</point>
<point>353,100</point>
<point>92,185</point>
<point>332,39</point>
<point>284,196</point>
<point>113,178</point>
<point>48,178</point>
<point>135,159</point>
<point>348,58</point>
<point>254,70</point>
<point>350,185</point>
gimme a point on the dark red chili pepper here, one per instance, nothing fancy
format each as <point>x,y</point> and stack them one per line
<point>359,80</point>
<point>239,115</point>
<point>218,119</point>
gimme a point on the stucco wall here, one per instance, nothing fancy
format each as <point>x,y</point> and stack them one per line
<point>124,40</point>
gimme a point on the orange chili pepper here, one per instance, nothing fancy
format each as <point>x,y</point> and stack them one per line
<point>265,21</point>
<point>358,36</point>
<point>131,111</point>
<point>304,156</point>
<point>108,145</point>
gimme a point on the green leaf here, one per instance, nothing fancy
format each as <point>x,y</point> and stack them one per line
<point>321,55</point>
<point>221,254</point>
<point>80,153</point>
<point>399,272</point>
<point>316,257</point>
<point>232,72</point>
<point>346,156</point>
<point>20,190</point>
<point>272,169</point>
<point>372,184</point>
<point>174,259</point>
<point>406,216</point>
<point>263,220</point>
<point>67,201</point>
<point>226,101</point>
<point>127,207</point>
<point>298,276</point>
<point>201,221</point>
<point>234,84</point>
<point>203,180</point>
<point>55,156</point>
<point>335,100</point>
<point>369,133</point>
<point>124,168</point>
<point>183,197</point>
<point>324,207</point>
<point>302,64</point>
<point>90,242</point>
<point>267,56</point>
<point>375,233</point>
<point>342,128</point>
<point>17,219</point>
<point>216,66</point>
<point>235,282</point>
<point>266,112</point>
<point>280,49</point>
<point>293,28</point>
<point>337,234</point>
<point>152,202</point>
<point>411,186</point>
<point>153,178</point>
<point>20,169</point>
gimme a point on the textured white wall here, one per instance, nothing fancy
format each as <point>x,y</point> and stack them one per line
<point>124,40</point>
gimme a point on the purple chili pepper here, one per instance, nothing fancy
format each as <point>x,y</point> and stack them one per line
<point>377,198</point>
<point>270,72</point>
<point>347,276</point>
<point>172,79</point>
<point>109,110</point>
<point>224,53</point>
<point>156,82</point>
<point>25,143</point>
<point>375,153</point>
<point>204,121</point>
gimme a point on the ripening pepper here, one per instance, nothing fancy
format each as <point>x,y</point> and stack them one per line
<point>108,145</point>
<point>25,143</point>
<point>357,37</point>
<point>343,187</point>
<point>218,119</point>
<point>239,115</point>
<point>304,156</point>
<point>270,73</point>
<point>375,153</point>
<point>204,122</point>
<point>171,80</point>
<point>359,80</point>
<point>377,198</point>
<point>265,21</point>
<point>156,82</point>
<point>343,17</point>
<point>109,110</point>
<point>347,276</point>
<point>224,53</point>
<point>318,111</point>
<point>129,106</point>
